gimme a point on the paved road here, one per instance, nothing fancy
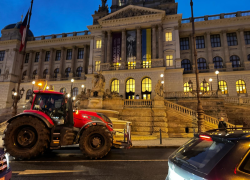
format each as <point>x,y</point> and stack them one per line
<point>120,164</point>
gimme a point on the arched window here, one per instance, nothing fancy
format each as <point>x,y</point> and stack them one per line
<point>63,90</point>
<point>56,71</point>
<point>79,71</point>
<point>202,63</point>
<point>24,74</point>
<point>185,63</point>
<point>235,61</point>
<point>186,87</point>
<point>28,94</point>
<point>205,87</point>
<point>45,72</point>
<point>75,91</point>
<point>34,74</point>
<point>67,71</point>
<point>130,89</point>
<point>248,58</point>
<point>241,87</point>
<point>146,88</point>
<point>115,86</point>
<point>218,62</point>
<point>223,87</point>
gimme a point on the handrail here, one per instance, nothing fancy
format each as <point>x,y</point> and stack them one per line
<point>139,103</point>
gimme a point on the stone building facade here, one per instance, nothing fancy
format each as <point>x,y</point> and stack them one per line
<point>133,46</point>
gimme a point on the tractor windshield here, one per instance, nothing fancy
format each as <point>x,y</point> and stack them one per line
<point>51,104</point>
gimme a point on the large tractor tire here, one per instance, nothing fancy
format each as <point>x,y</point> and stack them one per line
<point>96,142</point>
<point>26,137</point>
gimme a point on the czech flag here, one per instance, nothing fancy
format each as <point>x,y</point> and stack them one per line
<point>23,30</point>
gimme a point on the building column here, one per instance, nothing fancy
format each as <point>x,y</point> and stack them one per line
<point>109,47</point>
<point>30,64</point>
<point>226,51</point>
<point>177,47</point>
<point>123,45</point>
<point>138,47</point>
<point>51,62</point>
<point>85,65</point>
<point>103,47</point>
<point>154,42</point>
<point>242,44</point>
<point>62,63</point>
<point>73,61</point>
<point>160,41</point>
<point>40,64</point>
<point>209,48</point>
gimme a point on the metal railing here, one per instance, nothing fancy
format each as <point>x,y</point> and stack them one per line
<point>217,16</point>
<point>137,103</point>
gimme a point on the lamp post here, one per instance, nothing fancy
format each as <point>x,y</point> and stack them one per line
<point>201,126</point>
<point>82,88</point>
<point>190,84</point>
<point>33,83</point>
<point>217,73</point>
<point>16,97</point>
<point>210,80</point>
<point>72,81</point>
<point>204,86</point>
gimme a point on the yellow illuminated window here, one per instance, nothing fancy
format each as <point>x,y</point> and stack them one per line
<point>223,87</point>
<point>146,88</point>
<point>115,86</point>
<point>147,64</point>
<point>169,60</point>
<point>168,36</point>
<point>130,85</point>
<point>131,65</point>
<point>97,65</point>
<point>186,87</point>
<point>116,66</point>
<point>204,87</point>
<point>98,44</point>
<point>241,87</point>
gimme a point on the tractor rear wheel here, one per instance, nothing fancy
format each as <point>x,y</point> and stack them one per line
<point>26,137</point>
<point>96,142</point>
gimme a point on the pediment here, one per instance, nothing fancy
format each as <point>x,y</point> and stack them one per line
<point>131,11</point>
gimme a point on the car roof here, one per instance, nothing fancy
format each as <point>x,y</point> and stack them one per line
<point>230,133</point>
<point>47,92</point>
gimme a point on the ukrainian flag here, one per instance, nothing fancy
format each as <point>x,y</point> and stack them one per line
<point>146,48</point>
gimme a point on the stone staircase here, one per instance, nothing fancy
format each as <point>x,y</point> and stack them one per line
<point>182,121</point>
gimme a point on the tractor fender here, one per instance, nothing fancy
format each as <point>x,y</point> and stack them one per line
<point>97,123</point>
<point>48,122</point>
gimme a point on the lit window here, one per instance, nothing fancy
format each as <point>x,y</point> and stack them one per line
<point>116,66</point>
<point>204,87</point>
<point>98,44</point>
<point>131,65</point>
<point>115,86</point>
<point>186,87</point>
<point>146,88</point>
<point>97,65</point>
<point>241,87</point>
<point>223,87</point>
<point>130,89</point>
<point>169,60</point>
<point>147,64</point>
<point>168,36</point>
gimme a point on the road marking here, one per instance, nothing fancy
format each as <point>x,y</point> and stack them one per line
<point>33,172</point>
<point>74,161</point>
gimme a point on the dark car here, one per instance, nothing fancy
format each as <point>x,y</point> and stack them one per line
<point>214,155</point>
<point>5,170</point>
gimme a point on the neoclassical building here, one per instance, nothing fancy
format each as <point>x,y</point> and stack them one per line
<point>137,44</point>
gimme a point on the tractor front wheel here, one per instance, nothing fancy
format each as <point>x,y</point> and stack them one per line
<point>96,142</point>
<point>26,137</point>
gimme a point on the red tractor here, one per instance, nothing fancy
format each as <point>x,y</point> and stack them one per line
<point>51,123</point>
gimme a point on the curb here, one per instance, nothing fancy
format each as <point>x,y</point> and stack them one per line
<point>152,147</point>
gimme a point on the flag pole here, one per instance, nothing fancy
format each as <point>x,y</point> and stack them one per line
<point>17,98</point>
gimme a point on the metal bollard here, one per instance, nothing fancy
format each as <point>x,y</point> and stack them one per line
<point>160,137</point>
<point>124,136</point>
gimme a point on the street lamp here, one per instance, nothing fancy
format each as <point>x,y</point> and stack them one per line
<point>16,96</point>
<point>201,125</point>
<point>82,87</point>
<point>210,82</point>
<point>33,82</point>
<point>190,83</point>
<point>217,72</point>
<point>204,86</point>
<point>72,81</point>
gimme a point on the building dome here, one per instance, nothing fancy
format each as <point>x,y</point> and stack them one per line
<point>17,26</point>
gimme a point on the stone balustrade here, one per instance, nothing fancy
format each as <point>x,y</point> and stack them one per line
<point>181,94</point>
<point>237,100</point>
<point>217,16</point>
<point>137,103</point>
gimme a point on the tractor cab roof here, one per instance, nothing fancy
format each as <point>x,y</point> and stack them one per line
<point>47,92</point>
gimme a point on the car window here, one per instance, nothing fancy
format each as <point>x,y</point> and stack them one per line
<point>245,166</point>
<point>202,155</point>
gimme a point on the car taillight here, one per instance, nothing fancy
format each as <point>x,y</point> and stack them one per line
<point>204,137</point>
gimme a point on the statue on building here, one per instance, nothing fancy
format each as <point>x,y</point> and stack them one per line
<point>159,89</point>
<point>111,95</point>
<point>104,3</point>
<point>98,83</point>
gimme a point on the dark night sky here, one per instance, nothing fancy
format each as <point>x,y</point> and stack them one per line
<point>62,16</point>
